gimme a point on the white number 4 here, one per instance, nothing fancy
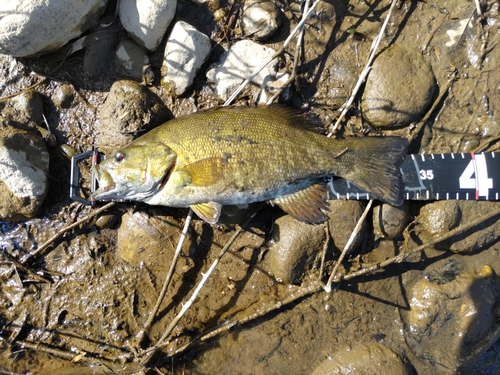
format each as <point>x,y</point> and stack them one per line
<point>481,183</point>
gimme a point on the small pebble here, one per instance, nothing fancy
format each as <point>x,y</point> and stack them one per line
<point>64,96</point>
<point>390,221</point>
<point>261,19</point>
<point>131,59</point>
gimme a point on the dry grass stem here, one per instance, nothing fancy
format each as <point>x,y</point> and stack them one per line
<point>66,229</point>
<point>161,342</point>
<point>364,73</point>
<point>296,57</point>
<point>166,283</point>
<point>275,55</point>
<point>348,245</point>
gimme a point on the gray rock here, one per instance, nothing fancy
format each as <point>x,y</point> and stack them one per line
<point>237,63</point>
<point>390,221</point>
<point>150,239</point>
<point>440,217</point>
<point>344,215</point>
<point>371,358</point>
<point>129,110</point>
<point>30,27</point>
<point>261,19</point>
<point>295,246</point>
<point>131,59</point>
<point>147,20</point>
<point>24,168</point>
<point>399,88</point>
<point>186,51</point>
<point>453,309</point>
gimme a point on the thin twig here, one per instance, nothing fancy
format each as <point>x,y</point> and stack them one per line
<point>323,253</point>
<point>4,98</point>
<point>296,57</point>
<point>161,342</point>
<point>365,72</point>
<point>64,230</point>
<point>166,284</point>
<point>275,55</point>
<point>304,291</point>
<point>348,245</point>
<point>478,8</point>
<point>401,257</point>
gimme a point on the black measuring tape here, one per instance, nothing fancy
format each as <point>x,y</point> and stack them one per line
<point>459,176</point>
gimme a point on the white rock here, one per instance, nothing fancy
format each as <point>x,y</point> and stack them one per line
<point>31,27</point>
<point>186,51</point>
<point>147,20</point>
<point>238,63</point>
<point>24,168</point>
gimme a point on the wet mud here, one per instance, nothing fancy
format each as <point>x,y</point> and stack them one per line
<point>80,305</point>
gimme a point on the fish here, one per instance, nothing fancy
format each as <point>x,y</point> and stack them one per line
<point>240,155</point>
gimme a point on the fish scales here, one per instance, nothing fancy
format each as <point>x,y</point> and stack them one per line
<point>239,155</point>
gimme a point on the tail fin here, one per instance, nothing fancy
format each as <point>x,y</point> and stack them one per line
<point>375,167</point>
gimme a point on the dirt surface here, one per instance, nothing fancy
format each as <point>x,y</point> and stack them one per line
<point>79,306</point>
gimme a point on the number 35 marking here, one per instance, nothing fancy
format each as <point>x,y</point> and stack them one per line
<point>481,183</point>
<point>426,174</point>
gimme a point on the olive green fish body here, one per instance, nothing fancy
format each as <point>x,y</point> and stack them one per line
<point>240,155</point>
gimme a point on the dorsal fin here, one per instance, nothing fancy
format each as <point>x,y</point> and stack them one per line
<point>307,204</point>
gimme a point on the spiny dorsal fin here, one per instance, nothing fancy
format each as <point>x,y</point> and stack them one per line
<point>307,204</point>
<point>210,212</point>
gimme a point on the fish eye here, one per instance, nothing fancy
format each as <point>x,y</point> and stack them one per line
<point>119,157</point>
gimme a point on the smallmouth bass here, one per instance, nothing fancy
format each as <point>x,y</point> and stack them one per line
<point>241,155</point>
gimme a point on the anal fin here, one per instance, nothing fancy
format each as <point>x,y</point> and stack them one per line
<point>210,211</point>
<point>307,204</point>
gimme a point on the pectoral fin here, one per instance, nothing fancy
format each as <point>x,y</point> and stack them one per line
<point>307,204</point>
<point>210,212</point>
<point>204,172</point>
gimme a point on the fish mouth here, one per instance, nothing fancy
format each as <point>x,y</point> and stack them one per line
<point>107,185</point>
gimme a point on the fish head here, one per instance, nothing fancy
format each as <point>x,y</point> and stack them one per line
<point>134,172</point>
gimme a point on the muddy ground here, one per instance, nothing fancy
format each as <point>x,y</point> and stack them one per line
<point>102,283</point>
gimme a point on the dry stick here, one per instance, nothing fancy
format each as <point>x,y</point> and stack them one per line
<point>276,54</point>
<point>305,290</point>
<point>168,278</point>
<point>295,58</point>
<point>4,98</point>
<point>478,8</point>
<point>196,292</point>
<point>323,253</point>
<point>64,230</point>
<point>316,286</point>
<point>348,245</point>
<point>365,72</point>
